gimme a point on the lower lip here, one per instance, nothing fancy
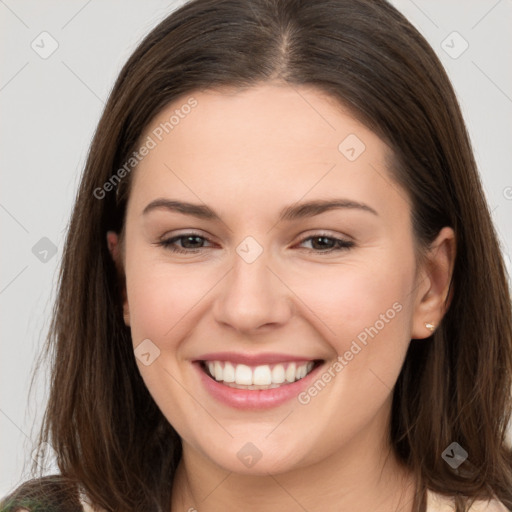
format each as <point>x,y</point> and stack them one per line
<point>255,398</point>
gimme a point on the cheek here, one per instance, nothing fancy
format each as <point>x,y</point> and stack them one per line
<point>349,297</point>
<point>363,311</point>
<point>161,300</point>
<point>160,297</point>
<point>160,294</point>
<point>366,310</point>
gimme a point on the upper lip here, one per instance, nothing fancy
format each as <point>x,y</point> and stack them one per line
<point>253,359</point>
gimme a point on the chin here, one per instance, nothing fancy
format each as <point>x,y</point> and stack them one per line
<point>258,458</point>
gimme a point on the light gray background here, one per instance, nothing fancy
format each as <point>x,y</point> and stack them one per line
<point>50,108</point>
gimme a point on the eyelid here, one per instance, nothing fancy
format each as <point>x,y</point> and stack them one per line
<point>185,233</point>
<point>326,233</point>
<point>167,241</point>
<point>312,233</point>
<point>342,243</point>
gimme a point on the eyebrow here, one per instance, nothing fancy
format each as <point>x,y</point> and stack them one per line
<point>289,213</point>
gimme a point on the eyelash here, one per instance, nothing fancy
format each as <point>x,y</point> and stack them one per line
<point>342,245</point>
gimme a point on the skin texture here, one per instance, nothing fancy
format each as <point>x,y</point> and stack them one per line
<point>247,155</point>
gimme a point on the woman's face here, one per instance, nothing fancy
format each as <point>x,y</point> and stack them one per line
<point>267,275</point>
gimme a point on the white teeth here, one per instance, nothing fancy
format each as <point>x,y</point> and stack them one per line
<point>262,376</point>
<point>229,372</point>
<point>218,371</point>
<point>243,374</point>
<point>290,373</point>
<point>278,374</point>
<point>259,377</point>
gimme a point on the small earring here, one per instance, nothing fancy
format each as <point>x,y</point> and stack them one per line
<point>430,326</point>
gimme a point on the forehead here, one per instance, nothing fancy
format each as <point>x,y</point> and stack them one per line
<point>271,117</point>
<point>271,139</point>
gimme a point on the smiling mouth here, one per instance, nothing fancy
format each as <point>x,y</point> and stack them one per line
<point>266,376</point>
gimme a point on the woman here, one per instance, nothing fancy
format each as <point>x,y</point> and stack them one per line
<point>281,287</point>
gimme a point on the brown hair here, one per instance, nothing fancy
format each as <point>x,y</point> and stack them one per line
<point>108,433</point>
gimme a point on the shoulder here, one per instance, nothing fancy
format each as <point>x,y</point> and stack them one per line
<point>52,492</point>
<point>440,503</point>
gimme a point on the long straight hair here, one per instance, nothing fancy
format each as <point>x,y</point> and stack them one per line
<point>108,434</point>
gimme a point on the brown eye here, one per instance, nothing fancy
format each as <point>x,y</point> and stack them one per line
<point>323,243</point>
<point>190,243</point>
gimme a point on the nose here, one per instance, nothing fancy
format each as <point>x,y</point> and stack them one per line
<point>253,296</point>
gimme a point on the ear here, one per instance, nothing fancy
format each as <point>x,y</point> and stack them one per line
<point>114,248</point>
<point>433,285</point>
